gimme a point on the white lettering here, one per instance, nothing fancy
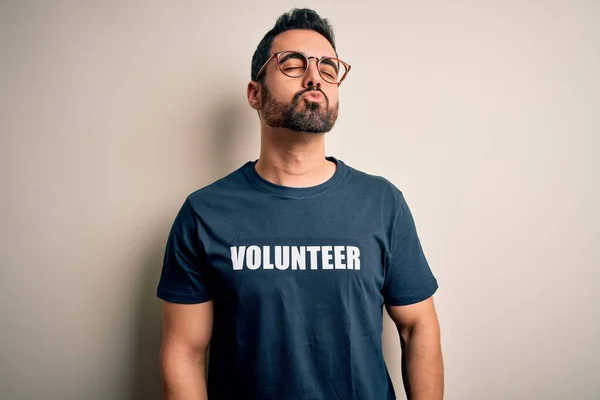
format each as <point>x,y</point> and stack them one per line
<point>299,258</point>
<point>253,257</point>
<point>339,257</point>
<point>326,256</point>
<point>267,264</point>
<point>237,257</point>
<point>313,250</point>
<point>353,257</point>
<point>279,263</point>
<point>295,257</point>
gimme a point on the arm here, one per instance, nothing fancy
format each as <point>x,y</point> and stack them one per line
<point>187,329</point>
<point>422,366</point>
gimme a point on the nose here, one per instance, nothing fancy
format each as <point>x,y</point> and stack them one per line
<point>312,76</point>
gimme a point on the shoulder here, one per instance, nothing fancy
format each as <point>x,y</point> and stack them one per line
<point>382,187</point>
<point>224,189</point>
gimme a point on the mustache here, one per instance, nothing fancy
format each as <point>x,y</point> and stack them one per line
<point>310,89</point>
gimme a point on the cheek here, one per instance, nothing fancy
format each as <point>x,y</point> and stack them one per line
<point>284,88</point>
<point>333,96</point>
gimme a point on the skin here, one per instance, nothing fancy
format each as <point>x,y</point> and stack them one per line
<point>422,363</point>
<point>294,159</point>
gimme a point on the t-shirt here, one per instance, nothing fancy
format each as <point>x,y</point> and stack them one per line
<point>298,278</point>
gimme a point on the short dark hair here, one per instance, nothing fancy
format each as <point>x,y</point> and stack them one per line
<point>297,18</point>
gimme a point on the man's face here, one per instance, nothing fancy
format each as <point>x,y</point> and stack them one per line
<point>306,104</point>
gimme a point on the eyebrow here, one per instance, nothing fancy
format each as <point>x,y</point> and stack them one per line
<point>301,52</point>
<point>294,54</point>
<point>332,63</point>
<point>291,55</point>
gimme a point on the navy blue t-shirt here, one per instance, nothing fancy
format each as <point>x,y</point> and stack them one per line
<point>298,279</point>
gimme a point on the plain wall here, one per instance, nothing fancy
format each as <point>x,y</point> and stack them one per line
<point>486,114</point>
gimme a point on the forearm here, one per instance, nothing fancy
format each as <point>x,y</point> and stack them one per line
<point>183,376</point>
<point>422,365</point>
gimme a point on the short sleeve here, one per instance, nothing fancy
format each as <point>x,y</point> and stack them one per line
<point>408,276</point>
<point>184,276</point>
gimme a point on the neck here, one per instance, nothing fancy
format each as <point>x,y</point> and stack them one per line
<point>293,159</point>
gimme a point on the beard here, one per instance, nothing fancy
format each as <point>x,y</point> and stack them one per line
<point>299,115</point>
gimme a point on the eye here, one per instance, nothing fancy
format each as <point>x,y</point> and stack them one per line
<point>329,71</point>
<point>292,63</point>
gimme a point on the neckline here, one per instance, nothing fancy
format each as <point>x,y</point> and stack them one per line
<point>295,192</point>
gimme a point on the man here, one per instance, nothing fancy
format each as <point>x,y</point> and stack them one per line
<point>284,265</point>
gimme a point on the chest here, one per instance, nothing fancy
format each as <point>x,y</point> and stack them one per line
<point>268,257</point>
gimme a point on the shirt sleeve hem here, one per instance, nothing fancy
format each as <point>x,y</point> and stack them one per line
<point>182,298</point>
<point>415,298</point>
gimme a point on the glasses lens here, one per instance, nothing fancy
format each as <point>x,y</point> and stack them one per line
<point>292,64</point>
<point>295,65</point>
<point>332,70</point>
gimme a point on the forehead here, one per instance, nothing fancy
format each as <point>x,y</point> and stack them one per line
<point>306,41</point>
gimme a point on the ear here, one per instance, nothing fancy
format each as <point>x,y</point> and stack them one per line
<point>254,95</point>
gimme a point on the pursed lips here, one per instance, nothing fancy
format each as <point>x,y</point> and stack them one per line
<point>313,95</point>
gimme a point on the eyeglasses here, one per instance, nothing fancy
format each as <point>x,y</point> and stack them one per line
<point>295,64</point>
